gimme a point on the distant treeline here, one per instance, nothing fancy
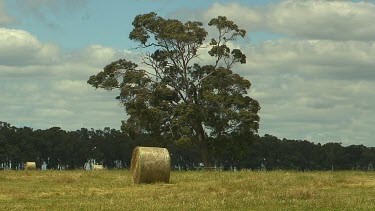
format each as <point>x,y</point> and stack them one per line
<point>72,149</point>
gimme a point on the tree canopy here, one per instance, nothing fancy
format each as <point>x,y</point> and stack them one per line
<point>177,96</point>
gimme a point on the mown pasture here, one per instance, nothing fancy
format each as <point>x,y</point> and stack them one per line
<point>188,190</point>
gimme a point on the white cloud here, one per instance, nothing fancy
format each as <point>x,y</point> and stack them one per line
<point>311,19</point>
<point>42,87</point>
<point>314,58</point>
<point>19,47</point>
<point>48,102</point>
<point>95,55</point>
<point>317,90</point>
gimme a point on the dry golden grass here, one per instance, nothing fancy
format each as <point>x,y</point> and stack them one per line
<point>114,190</point>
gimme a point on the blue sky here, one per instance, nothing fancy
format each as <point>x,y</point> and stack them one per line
<point>311,63</point>
<point>76,24</point>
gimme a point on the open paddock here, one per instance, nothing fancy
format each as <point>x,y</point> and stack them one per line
<point>210,190</point>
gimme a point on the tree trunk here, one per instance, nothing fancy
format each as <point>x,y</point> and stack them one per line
<point>203,146</point>
<point>205,154</point>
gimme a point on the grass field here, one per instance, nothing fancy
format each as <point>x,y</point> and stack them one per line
<point>114,190</point>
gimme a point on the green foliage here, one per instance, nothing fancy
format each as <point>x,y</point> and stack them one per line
<point>180,99</point>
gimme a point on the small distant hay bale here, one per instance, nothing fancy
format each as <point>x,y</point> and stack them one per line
<point>30,166</point>
<point>150,165</point>
<point>98,167</point>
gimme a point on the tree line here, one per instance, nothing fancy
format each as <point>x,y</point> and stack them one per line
<point>72,149</point>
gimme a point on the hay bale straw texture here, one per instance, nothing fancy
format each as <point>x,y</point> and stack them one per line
<point>150,165</point>
<point>98,167</point>
<point>30,166</point>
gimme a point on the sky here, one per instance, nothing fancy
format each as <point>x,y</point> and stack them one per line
<point>311,62</point>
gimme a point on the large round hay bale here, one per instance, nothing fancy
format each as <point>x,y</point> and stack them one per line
<point>30,166</point>
<point>150,165</point>
<point>98,167</point>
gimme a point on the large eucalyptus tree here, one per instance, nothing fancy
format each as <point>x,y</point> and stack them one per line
<point>176,95</point>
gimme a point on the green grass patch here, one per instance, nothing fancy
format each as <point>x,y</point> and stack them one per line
<point>114,190</point>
